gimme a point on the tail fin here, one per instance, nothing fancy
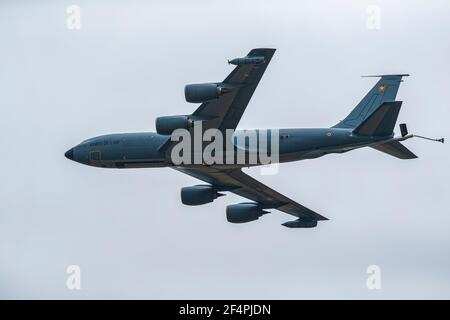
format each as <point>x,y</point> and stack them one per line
<point>384,90</point>
<point>381,122</point>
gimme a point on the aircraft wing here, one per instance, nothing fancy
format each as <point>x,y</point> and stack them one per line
<point>236,181</point>
<point>226,111</point>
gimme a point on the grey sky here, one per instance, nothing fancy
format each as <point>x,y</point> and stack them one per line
<point>128,230</point>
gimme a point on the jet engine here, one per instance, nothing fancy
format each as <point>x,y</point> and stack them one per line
<point>244,212</point>
<point>167,125</point>
<point>202,92</point>
<point>299,223</point>
<point>199,194</point>
<point>247,60</point>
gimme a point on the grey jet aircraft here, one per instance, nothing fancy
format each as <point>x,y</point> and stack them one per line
<point>369,124</point>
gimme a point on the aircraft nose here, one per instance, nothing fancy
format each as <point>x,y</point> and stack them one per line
<point>69,154</point>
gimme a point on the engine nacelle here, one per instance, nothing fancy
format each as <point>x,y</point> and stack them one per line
<point>244,212</point>
<point>299,223</point>
<point>202,92</point>
<point>247,60</point>
<point>200,194</point>
<point>167,125</point>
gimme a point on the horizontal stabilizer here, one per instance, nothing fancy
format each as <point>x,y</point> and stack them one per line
<point>396,149</point>
<point>381,122</point>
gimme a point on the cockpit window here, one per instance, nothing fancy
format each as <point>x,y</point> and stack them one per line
<point>94,142</point>
<point>103,142</point>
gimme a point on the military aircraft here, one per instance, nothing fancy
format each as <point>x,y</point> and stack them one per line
<point>369,124</point>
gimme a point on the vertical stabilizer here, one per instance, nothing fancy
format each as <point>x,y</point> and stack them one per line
<point>384,90</point>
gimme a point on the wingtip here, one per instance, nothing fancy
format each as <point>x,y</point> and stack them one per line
<point>386,75</point>
<point>262,50</point>
<point>271,49</point>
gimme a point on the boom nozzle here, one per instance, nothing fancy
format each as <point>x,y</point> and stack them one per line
<point>405,135</point>
<point>431,139</point>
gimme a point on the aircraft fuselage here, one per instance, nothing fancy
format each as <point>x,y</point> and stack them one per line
<point>145,149</point>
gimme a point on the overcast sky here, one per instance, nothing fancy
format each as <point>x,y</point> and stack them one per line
<point>127,229</point>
